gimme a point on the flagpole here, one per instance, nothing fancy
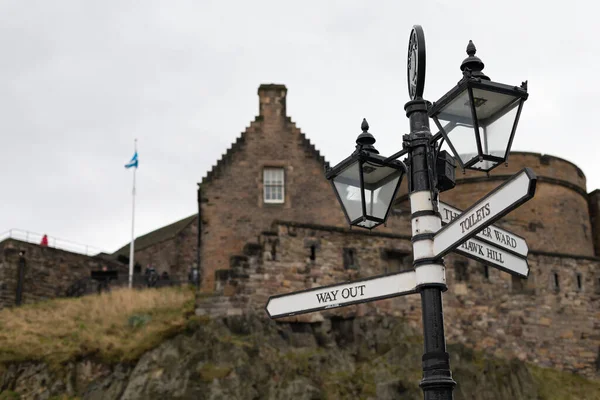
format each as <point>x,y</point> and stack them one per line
<point>131,247</point>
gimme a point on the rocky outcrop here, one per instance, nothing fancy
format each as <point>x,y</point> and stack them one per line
<point>247,357</point>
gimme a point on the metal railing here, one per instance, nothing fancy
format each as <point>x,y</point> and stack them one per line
<point>57,243</point>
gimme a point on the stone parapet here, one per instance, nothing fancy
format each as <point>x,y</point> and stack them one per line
<point>47,272</point>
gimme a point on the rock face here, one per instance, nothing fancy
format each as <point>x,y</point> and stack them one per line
<point>247,357</point>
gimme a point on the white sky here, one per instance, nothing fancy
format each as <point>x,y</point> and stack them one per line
<point>80,80</point>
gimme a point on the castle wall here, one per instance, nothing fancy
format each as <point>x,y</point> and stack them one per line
<point>594,207</point>
<point>176,255</point>
<point>556,220</point>
<point>484,308</point>
<point>48,271</point>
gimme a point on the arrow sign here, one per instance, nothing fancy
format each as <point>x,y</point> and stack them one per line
<point>494,256</point>
<point>340,295</point>
<point>493,206</point>
<point>499,237</point>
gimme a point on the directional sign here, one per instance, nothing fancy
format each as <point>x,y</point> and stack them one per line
<point>494,256</point>
<point>492,234</point>
<point>332,296</point>
<point>499,202</point>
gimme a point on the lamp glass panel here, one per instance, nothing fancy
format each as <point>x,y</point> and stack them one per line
<point>456,119</point>
<point>380,185</point>
<point>488,103</point>
<point>496,128</point>
<point>347,184</point>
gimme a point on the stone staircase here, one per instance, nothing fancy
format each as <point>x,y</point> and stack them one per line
<point>232,295</point>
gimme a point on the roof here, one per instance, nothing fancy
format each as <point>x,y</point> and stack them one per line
<point>159,235</point>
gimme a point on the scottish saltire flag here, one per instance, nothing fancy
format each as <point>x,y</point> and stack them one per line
<point>133,162</point>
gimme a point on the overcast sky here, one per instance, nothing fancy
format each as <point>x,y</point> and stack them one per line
<point>79,80</point>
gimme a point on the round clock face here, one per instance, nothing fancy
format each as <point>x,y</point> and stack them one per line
<point>416,63</point>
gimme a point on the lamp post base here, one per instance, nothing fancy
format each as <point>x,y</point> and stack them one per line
<point>437,382</point>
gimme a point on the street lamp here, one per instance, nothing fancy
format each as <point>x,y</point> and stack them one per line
<point>478,118</point>
<point>365,183</point>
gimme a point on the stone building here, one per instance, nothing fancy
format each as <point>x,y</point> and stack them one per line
<point>270,224</point>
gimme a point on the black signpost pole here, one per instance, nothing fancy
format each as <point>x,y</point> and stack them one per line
<point>437,382</point>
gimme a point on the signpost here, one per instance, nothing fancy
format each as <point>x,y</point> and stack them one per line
<point>326,297</point>
<point>469,233</point>
<point>499,202</point>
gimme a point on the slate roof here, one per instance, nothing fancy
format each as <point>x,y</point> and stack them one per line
<point>159,235</point>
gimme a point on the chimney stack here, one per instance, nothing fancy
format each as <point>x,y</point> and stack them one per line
<point>272,102</point>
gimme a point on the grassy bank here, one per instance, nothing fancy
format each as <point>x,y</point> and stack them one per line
<point>116,326</point>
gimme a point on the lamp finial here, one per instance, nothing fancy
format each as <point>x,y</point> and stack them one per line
<point>365,140</point>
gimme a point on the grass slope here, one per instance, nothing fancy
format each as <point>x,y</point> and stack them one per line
<point>113,327</point>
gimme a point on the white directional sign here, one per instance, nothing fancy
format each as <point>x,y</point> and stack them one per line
<point>492,234</point>
<point>494,256</point>
<point>325,297</point>
<point>493,206</point>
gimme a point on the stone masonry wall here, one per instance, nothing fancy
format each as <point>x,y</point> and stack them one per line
<point>48,271</point>
<point>557,219</point>
<point>162,256</point>
<point>594,206</point>
<point>533,319</point>
<point>176,255</point>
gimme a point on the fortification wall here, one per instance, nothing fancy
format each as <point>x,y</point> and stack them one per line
<point>534,320</point>
<point>175,255</point>
<point>556,220</point>
<point>594,206</point>
<point>48,271</point>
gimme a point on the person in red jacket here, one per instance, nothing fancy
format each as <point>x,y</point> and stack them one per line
<point>44,241</point>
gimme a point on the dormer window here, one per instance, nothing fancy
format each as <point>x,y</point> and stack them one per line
<point>273,185</point>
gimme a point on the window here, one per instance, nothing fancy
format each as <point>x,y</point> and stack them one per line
<point>461,272</point>
<point>579,280</point>
<point>532,227</point>
<point>486,272</point>
<point>349,257</point>
<point>397,260</point>
<point>555,282</point>
<point>273,183</point>
<point>519,284</point>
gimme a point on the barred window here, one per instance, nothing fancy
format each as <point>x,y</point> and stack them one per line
<point>273,183</point>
